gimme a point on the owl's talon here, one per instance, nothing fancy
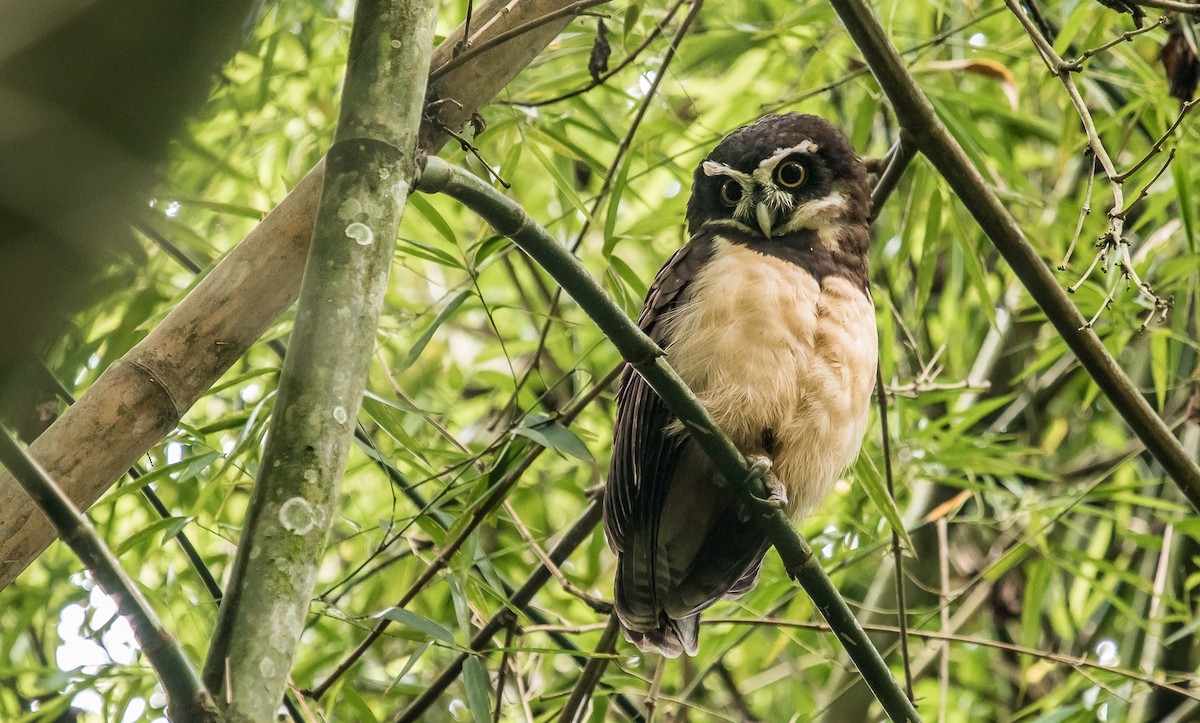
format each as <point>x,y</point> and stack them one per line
<point>761,468</point>
<point>778,497</point>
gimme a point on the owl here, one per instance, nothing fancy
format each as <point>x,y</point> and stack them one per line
<point>766,314</point>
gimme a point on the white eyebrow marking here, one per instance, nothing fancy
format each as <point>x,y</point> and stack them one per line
<point>763,173</point>
<point>712,168</point>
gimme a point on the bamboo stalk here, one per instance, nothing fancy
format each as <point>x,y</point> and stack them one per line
<point>369,172</point>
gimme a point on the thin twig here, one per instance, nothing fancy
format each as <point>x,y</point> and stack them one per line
<point>187,697</point>
<point>1158,144</point>
<point>897,548</point>
<point>601,606</point>
<point>1124,212</point>
<point>465,41</point>
<point>576,8</point>
<point>1077,63</point>
<point>896,163</point>
<point>581,694</point>
<point>913,390</point>
<point>1084,212</point>
<point>633,55</point>
<point>165,244</point>
<point>1175,5</point>
<point>655,689</point>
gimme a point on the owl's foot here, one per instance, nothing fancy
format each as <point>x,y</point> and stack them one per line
<point>761,468</point>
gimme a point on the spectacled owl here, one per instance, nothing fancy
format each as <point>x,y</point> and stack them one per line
<point>766,314</point>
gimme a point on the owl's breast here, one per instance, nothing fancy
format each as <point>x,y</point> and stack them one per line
<point>783,361</point>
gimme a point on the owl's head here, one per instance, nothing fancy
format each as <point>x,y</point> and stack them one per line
<point>782,174</point>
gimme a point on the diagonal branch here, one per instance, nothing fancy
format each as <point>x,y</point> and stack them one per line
<point>508,218</point>
<point>931,138</point>
<point>187,698</point>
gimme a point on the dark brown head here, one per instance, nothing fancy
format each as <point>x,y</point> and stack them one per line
<point>782,174</point>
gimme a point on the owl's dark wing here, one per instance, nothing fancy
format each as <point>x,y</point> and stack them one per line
<point>644,455</point>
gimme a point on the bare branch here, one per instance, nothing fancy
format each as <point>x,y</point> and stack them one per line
<point>897,548</point>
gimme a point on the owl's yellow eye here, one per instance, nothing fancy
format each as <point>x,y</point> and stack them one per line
<point>791,174</point>
<point>731,192</point>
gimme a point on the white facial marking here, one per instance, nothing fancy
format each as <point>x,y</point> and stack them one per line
<point>766,169</point>
<point>712,168</point>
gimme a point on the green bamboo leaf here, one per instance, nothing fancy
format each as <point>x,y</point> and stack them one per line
<point>616,193</point>
<point>170,526</point>
<point>433,218</point>
<point>390,419</point>
<point>872,483</point>
<point>411,247</point>
<point>478,695</point>
<point>428,628</point>
<point>419,345</point>
<point>552,435</point>
<point>1160,367</point>
<point>931,247</point>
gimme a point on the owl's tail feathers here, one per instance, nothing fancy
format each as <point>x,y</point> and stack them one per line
<point>670,637</point>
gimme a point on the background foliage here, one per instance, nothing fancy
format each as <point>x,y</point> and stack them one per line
<point>1063,543</point>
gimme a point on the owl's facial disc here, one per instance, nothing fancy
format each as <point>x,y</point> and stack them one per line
<point>765,197</point>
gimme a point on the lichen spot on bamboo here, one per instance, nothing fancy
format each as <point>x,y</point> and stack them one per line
<point>360,233</point>
<point>297,516</point>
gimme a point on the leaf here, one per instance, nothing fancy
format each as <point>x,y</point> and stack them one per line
<point>420,624</point>
<point>1159,365</point>
<point>872,483</point>
<point>390,419</point>
<point>972,257</point>
<point>632,12</point>
<point>620,181</point>
<point>478,698</point>
<point>172,526</point>
<point>552,435</point>
<point>420,344</point>
<point>930,247</point>
<point>427,252</point>
<point>412,660</point>
<point>433,218</point>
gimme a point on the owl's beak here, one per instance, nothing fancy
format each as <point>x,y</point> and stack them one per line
<point>765,217</point>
